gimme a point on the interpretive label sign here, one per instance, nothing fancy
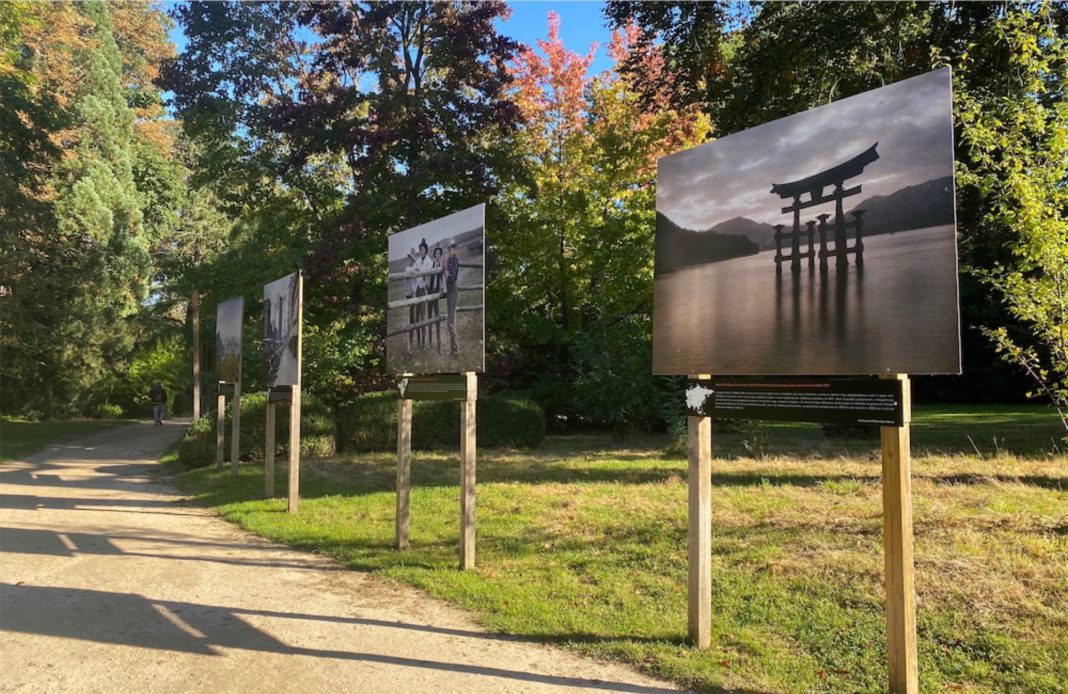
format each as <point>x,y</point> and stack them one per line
<point>847,401</point>
<point>437,387</point>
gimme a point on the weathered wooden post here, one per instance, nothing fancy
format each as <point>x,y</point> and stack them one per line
<point>220,428</point>
<point>858,221</point>
<point>268,449</point>
<point>778,247</point>
<point>404,471</point>
<point>235,429</point>
<point>699,545</point>
<point>467,472</point>
<point>823,241</point>
<point>897,549</point>
<point>195,309</point>
<point>795,244</point>
<point>811,224</point>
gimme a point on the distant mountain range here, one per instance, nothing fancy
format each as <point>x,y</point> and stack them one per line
<point>923,205</point>
<point>677,247</point>
<point>927,204</point>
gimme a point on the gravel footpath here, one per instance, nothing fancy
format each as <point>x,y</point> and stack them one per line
<point>111,582</point>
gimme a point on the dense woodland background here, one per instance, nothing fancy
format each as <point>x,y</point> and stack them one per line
<point>301,135</point>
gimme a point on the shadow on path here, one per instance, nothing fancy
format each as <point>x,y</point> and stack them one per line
<point>133,620</point>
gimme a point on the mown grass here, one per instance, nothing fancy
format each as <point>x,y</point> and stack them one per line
<point>19,438</point>
<point>583,542</point>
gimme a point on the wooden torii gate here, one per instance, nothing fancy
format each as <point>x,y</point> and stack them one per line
<point>813,186</point>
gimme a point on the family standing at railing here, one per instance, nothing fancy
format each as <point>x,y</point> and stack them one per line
<point>423,277</point>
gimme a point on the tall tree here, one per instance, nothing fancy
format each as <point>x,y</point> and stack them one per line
<point>329,125</point>
<point>572,296</point>
<point>76,245</point>
<point>788,57</point>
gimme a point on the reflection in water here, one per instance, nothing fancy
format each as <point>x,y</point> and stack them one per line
<point>897,312</point>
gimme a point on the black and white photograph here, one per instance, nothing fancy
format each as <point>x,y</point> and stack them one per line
<point>435,322</point>
<point>229,321</point>
<point>823,243</point>
<point>281,330</point>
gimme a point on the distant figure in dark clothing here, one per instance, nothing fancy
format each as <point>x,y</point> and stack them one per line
<point>452,274</point>
<point>158,396</point>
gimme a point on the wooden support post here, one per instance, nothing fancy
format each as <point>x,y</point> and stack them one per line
<point>467,473</point>
<point>823,240</point>
<point>897,549</point>
<point>294,450</point>
<point>811,224</point>
<point>404,471</point>
<point>268,451</point>
<point>840,242</point>
<point>220,432</point>
<point>778,247</point>
<point>795,244</point>
<point>235,429</point>
<point>858,218</point>
<point>195,309</point>
<point>699,483</point>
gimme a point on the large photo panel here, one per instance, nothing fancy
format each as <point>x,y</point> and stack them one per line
<point>823,243</point>
<point>281,330</point>
<point>229,321</point>
<point>435,321</point>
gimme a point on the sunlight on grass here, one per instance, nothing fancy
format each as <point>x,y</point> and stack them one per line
<point>583,542</point>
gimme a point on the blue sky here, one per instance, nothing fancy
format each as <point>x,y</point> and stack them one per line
<point>581,23</point>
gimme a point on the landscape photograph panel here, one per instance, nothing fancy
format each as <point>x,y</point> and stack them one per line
<point>422,335</point>
<point>229,316</point>
<point>823,243</point>
<point>281,330</point>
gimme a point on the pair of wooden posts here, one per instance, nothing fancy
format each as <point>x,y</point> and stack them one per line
<point>897,542</point>
<point>464,388</point>
<point>276,395</point>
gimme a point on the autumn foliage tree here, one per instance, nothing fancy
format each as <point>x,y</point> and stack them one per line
<point>76,252</point>
<point>573,293</point>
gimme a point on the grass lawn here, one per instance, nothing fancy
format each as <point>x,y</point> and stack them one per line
<point>583,542</point>
<point>20,438</point>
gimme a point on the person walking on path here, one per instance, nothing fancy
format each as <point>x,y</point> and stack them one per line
<point>452,274</point>
<point>158,396</point>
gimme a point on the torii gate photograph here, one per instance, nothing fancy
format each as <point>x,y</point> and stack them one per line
<point>830,235</point>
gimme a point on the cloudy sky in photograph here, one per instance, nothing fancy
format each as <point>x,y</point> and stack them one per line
<point>438,231</point>
<point>732,177</point>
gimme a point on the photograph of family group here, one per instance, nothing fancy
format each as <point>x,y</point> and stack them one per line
<point>435,320</point>
<point>822,243</point>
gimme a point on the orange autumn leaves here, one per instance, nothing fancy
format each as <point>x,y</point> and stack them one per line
<point>560,101</point>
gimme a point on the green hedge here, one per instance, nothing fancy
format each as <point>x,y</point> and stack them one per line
<point>317,436</point>
<point>370,423</point>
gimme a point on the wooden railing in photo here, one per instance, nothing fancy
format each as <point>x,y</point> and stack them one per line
<point>814,186</point>
<point>457,387</point>
<point>436,321</point>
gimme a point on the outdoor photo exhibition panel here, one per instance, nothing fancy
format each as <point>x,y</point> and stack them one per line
<point>822,245</point>
<point>229,331</point>
<point>435,312</point>
<point>435,343</point>
<point>283,307</point>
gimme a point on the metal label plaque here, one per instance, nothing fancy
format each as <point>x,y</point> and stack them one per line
<point>434,387</point>
<point>857,401</point>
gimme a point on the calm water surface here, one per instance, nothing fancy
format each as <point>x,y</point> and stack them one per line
<point>897,313</point>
